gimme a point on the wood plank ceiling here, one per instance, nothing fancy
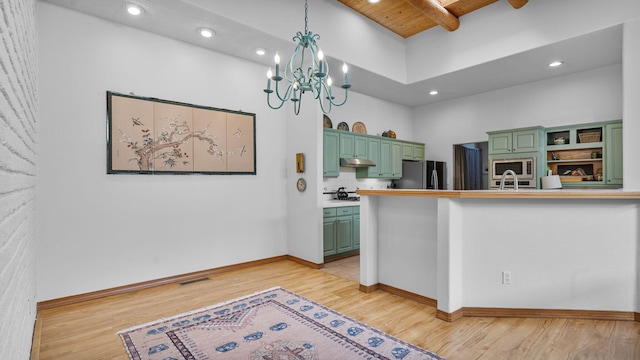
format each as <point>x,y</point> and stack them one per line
<point>409,17</point>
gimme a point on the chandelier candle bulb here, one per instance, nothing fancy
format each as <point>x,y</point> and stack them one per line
<point>320,58</point>
<point>269,75</point>
<point>276,59</point>
<point>345,69</point>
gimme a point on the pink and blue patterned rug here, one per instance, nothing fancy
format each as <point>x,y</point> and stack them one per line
<point>269,325</point>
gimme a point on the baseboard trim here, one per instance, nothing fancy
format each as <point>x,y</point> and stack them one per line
<point>549,313</point>
<point>305,262</point>
<point>368,289</point>
<point>408,295</point>
<point>505,312</point>
<point>74,299</point>
<point>449,317</point>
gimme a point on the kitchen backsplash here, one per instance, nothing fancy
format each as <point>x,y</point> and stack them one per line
<point>347,179</point>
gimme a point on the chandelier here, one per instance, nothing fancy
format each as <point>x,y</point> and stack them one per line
<point>314,79</point>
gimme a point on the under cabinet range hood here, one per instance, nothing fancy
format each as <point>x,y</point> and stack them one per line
<point>356,162</point>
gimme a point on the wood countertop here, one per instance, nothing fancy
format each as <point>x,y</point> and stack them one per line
<point>507,194</point>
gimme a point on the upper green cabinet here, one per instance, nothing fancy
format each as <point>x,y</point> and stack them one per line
<point>412,151</point>
<point>331,158</point>
<point>373,149</point>
<point>353,146</point>
<point>613,153</point>
<point>514,141</point>
<point>396,160</point>
<point>386,153</point>
<point>586,155</point>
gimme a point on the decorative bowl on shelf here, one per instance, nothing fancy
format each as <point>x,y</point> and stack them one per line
<point>558,141</point>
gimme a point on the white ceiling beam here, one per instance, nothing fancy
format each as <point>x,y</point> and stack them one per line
<point>437,13</point>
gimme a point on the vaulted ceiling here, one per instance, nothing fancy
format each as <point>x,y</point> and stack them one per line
<point>237,34</point>
<point>409,17</point>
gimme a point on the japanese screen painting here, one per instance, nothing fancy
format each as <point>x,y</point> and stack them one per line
<point>153,136</point>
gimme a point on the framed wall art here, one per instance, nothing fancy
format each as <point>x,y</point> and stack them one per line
<point>154,136</point>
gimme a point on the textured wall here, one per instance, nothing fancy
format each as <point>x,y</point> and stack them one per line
<point>18,168</point>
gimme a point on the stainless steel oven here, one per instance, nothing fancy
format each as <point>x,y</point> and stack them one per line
<point>525,169</point>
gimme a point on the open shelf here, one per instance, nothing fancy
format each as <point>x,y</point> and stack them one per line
<point>576,165</point>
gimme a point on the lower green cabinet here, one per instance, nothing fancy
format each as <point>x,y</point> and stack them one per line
<point>341,230</point>
<point>344,233</point>
<point>356,231</point>
<point>329,236</point>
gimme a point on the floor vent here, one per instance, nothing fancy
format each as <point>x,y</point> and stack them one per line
<point>193,281</point>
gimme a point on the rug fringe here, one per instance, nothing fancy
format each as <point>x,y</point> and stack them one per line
<point>197,310</point>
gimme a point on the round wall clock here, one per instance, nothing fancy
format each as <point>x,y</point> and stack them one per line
<point>301,184</point>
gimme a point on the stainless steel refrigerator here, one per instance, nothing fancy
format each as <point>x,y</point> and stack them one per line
<point>426,174</point>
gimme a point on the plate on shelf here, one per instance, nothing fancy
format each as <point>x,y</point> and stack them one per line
<point>343,126</point>
<point>358,127</point>
<point>326,122</point>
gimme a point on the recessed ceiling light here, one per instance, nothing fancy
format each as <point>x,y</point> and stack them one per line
<point>433,92</point>
<point>206,32</point>
<point>261,51</point>
<point>374,1</point>
<point>556,63</point>
<point>133,9</point>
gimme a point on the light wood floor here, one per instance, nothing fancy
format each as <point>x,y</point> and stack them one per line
<point>348,268</point>
<point>88,330</point>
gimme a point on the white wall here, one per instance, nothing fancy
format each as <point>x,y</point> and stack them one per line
<point>407,248</point>
<point>631,111</point>
<point>584,97</point>
<point>18,161</point>
<point>99,231</point>
<point>560,255</point>
<point>304,134</point>
<point>499,30</point>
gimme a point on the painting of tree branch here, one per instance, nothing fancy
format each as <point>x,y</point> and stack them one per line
<point>153,136</point>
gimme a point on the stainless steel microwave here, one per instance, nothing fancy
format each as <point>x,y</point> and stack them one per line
<point>525,169</point>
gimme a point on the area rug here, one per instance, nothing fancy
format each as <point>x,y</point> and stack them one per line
<point>274,324</point>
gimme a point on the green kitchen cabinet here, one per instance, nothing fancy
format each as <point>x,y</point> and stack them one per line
<point>387,155</point>
<point>341,230</point>
<point>515,141</point>
<point>595,148</point>
<point>373,151</point>
<point>329,236</point>
<point>344,233</point>
<point>613,153</point>
<point>418,152</point>
<point>386,159</point>
<point>353,146</point>
<point>396,160</point>
<point>356,231</point>
<point>412,151</point>
<point>330,154</point>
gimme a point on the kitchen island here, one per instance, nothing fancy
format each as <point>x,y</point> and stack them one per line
<point>562,253</point>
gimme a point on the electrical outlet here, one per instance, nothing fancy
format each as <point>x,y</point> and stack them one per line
<point>506,277</point>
